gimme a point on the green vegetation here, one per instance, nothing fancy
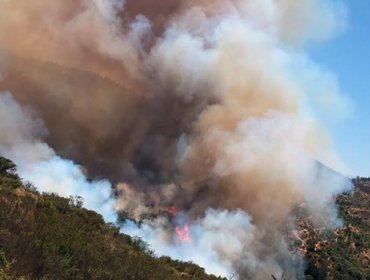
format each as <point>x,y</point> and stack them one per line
<point>344,254</point>
<point>44,236</point>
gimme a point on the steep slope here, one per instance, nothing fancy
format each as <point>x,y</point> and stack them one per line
<point>43,236</point>
<point>344,254</point>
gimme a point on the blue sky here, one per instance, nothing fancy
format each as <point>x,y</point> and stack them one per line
<point>348,57</point>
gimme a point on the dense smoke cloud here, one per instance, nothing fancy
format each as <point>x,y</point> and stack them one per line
<point>201,114</point>
<point>21,140</point>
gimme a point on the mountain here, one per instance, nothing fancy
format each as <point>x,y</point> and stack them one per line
<point>44,236</point>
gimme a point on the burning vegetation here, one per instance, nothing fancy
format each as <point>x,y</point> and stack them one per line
<point>45,225</point>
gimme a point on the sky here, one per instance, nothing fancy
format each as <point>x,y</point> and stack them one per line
<point>348,57</point>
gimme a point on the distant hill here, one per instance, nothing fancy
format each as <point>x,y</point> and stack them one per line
<point>44,236</point>
<point>344,254</point>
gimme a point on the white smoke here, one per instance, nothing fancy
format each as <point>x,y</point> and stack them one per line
<point>21,140</point>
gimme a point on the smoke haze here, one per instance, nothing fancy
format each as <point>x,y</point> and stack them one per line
<point>190,117</point>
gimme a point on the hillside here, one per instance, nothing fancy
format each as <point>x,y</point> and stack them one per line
<point>44,236</point>
<point>344,254</point>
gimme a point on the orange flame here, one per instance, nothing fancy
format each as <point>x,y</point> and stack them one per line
<point>183,233</point>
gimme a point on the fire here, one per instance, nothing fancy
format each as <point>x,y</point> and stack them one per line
<point>173,210</point>
<point>183,233</point>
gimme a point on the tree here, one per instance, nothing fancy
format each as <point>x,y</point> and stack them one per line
<point>7,167</point>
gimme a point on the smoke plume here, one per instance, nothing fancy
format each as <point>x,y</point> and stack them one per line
<point>197,119</point>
